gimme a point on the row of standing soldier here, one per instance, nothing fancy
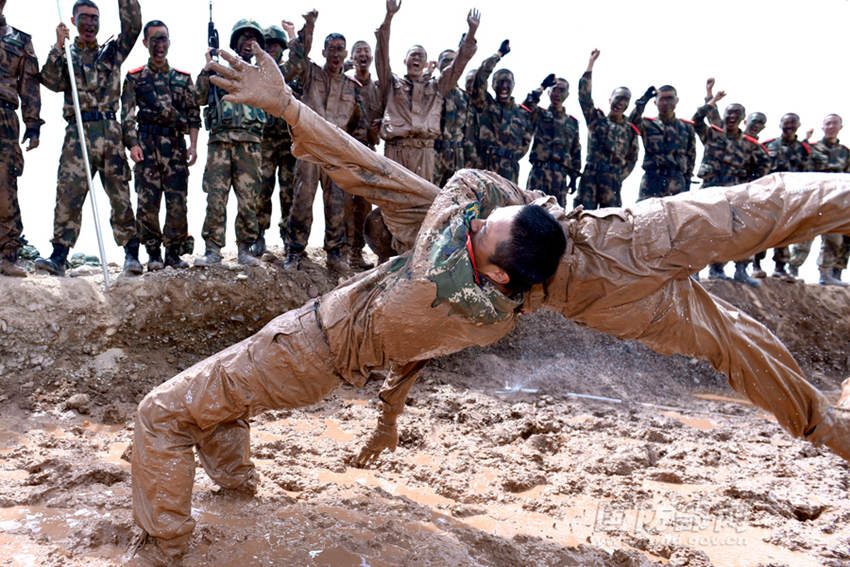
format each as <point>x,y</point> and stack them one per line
<point>428,124</point>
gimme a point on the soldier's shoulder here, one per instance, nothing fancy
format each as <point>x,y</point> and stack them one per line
<point>635,128</point>
<point>181,77</point>
<point>769,142</point>
<point>17,37</point>
<point>751,140</point>
<point>686,121</point>
<point>717,128</point>
<point>806,147</point>
<point>136,71</point>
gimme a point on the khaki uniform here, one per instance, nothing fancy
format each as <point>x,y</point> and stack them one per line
<point>622,271</point>
<point>158,108</point>
<point>18,80</point>
<point>504,130</point>
<point>612,152</point>
<point>335,97</point>
<point>413,106</point>
<point>98,74</point>
<point>669,154</point>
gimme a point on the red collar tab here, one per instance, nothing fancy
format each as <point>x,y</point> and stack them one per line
<point>472,258</point>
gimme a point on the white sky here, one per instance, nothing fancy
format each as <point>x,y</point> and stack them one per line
<point>773,56</point>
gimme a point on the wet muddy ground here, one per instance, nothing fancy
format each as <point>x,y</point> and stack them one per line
<point>499,464</point>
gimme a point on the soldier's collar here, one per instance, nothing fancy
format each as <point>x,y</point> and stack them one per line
<point>158,68</point>
<point>78,42</point>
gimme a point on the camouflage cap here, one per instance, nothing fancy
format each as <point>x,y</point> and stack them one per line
<point>277,35</point>
<point>247,25</point>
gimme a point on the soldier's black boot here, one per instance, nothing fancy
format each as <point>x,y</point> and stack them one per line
<point>9,266</point>
<point>154,258</point>
<point>793,271</point>
<point>259,246</point>
<point>336,262</point>
<point>56,263</point>
<point>742,276</point>
<point>172,257</point>
<point>293,259</point>
<point>243,255</point>
<point>779,272</point>
<point>836,273</point>
<point>132,266</point>
<point>826,278</point>
<point>715,272</point>
<point>212,256</point>
<point>757,271</point>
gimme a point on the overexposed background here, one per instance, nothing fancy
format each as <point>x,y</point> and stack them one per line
<point>775,56</point>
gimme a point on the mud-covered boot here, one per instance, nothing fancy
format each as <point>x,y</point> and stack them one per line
<point>146,551</point>
<point>56,263</point>
<point>742,276</point>
<point>757,271</point>
<point>793,271</point>
<point>172,257</point>
<point>780,272</point>
<point>155,262</point>
<point>212,257</point>
<point>834,432</point>
<point>132,266</point>
<point>826,278</point>
<point>258,248</point>
<point>243,255</point>
<point>9,266</point>
<point>715,272</point>
<point>358,262</point>
<point>293,259</point>
<point>336,262</point>
<point>836,273</point>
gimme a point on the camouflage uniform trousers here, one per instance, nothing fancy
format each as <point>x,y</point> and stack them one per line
<point>278,166</point>
<point>415,154</point>
<point>598,189</point>
<point>662,183</point>
<point>449,159</point>
<point>834,251</point>
<point>163,172</point>
<point>107,157</point>
<point>504,166</point>
<point>307,179</point>
<point>783,254</point>
<point>235,164</point>
<point>551,180</point>
<point>11,166</point>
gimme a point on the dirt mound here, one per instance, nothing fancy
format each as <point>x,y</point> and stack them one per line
<point>499,462</point>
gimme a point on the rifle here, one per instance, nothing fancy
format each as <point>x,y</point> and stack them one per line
<point>212,35</point>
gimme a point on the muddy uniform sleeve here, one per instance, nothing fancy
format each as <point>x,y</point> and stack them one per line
<point>394,390</point>
<point>202,88</point>
<point>128,113</point>
<point>585,99</point>
<point>54,73</point>
<point>382,62</point>
<point>450,76</point>
<point>478,96</point>
<point>700,126</point>
<point>131,26</point>
<point>29,91</point>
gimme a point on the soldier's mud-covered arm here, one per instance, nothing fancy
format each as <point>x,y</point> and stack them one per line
<point>585,98</point>
<point>451,74</point>
<point>131,25</point>
<point>54,72</point>
<point>382,58</point>
<point>128,114</point>
<point>478,96</point>
<point>297,63</point>
<point>396,387</point>
<point>30,93</point>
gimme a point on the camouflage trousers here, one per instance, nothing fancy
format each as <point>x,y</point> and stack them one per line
<point>162,172</point>
<point>278,165</point>
<point>237,165</point>
<point>781,255</point>
<point>550,180</point>
<point>108,158</point>
<point>598,189</point>
<point>356,210</point>
<point>662,183</point>
<point>11,166</point>
<point>504,166</point>
<point>449,159</point>
<point>834,250</point>
<point>415,154</point>
<point>796,255</point>
<point>307,179</point>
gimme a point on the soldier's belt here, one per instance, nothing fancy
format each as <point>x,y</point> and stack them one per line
<point>440,145</point>
<point>659,170</point>
<point>8,105</point>
<point>604,168</point>
<point>411,142</point>
<point>94,116</point>
<point>551,165</point>
<point>154,130</point>
<point>494,150</point>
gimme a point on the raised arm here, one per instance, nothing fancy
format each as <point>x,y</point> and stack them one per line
<point>382,51</point>
<point>54,73</point>
<point>478,96</point>
<point>637,113</point>
<point>451,74</point>
<point>131,26</point>
<point>585,86</point>
<point>298,62</point>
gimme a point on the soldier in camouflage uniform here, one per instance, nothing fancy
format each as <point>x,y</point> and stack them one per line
<point>453,125</point>
<point>787,153</point>
<point>414,102</point>
<point>730,157</point>
<point>336,97</point>
<point>18,80</point>
<point>471,132</point>
<point>158,108</point>
<point>505,129</point>
<point>754,124</point>
<point>556,152</point>
<point>831,156</point>
<point>97,69</point>
<point>669,145</point>
<point>234,158</point>
<point>612,145</point>
<point>278,164</point>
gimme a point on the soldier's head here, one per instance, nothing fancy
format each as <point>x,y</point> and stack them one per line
<point>619,101</point>
<point>241,35</point>
<point>470,78</point>
<point>559,92</point>
<point>416,61</point>
<point>86,17</point>
<point>156,39</point>
<point>362,55</point>
<point>518,246</point>
<point>503,84</point>
<point>756,122</point>
<point>832,124</point>
<point>733,115</point>
<point>334,52</point>
<point>666,100</point>
<point>446,57</point>
<point>789,123</point>
<point>276,41</point>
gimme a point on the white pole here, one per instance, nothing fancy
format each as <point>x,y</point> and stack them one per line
<point>82,135</point>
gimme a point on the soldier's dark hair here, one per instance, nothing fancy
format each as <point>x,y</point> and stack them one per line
<point>836,115</point>
<point>627,89</point>
<point>533,251</point>
<point>332,36</point>
<point>80,3</point>
<point>360,42</point>
<point>562,80</point>
<point>442,57</point>
<point>793,115</point>
<point>153,24</point>
<point>417,46</point>
<point>737,105</point>
<point>668,88</point>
